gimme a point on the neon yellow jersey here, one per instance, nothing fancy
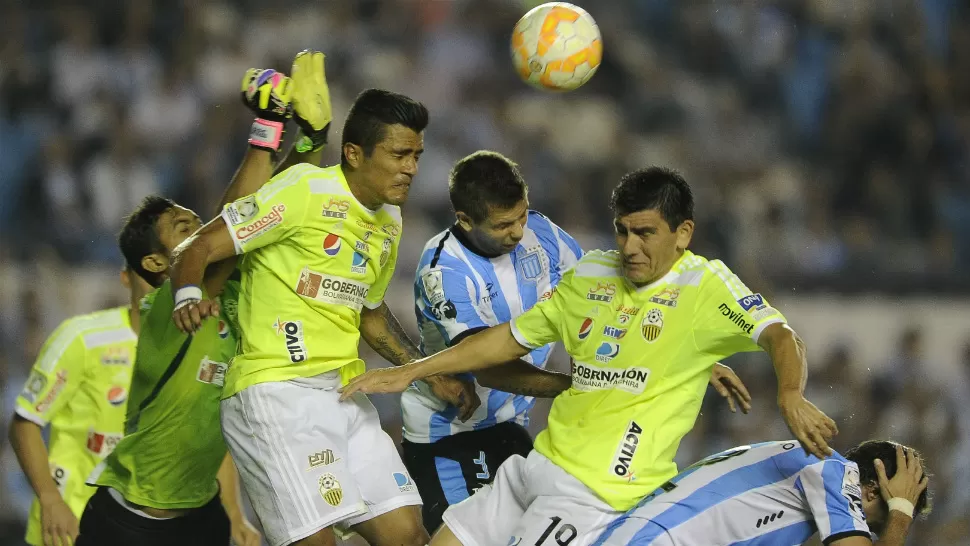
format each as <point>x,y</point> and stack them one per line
<point>642,359</point>
<point>79,385</point>
<point>313,258</point>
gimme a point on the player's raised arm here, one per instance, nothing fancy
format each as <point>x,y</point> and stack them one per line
<point>809,424</point>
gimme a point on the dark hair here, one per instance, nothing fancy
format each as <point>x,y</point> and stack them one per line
<point>139,236</point>
<point>654,188</point>
<point>485,179</point>
<point>867,452</point>
<point>373,110</point>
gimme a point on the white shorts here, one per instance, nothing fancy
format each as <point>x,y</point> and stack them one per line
<point>531,502</point>
<point>308,461</point>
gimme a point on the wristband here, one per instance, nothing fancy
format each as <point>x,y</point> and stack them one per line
<point>900,504</point>
<point>266,134</point>
<point>313,141</point>
<point>186,295</point>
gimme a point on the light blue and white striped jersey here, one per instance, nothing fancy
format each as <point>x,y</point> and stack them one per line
<point>458,292</point>
<point>769,494</point>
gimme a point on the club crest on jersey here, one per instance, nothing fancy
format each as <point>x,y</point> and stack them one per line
<point>391,229</point>
<point>603,292</point>
<point>223,330</point>
<point>330,489</point>
<point>667,296</point>
<point>117,395</point>
<point>385,251</point>
<point>614,332</point>
<point>358,264</point>
<point>336,208</point>
<point>292,330</point>
<point>652,325</point>
<point>607,351</point>
<point>331,244</point>
<point>531,266</point>
<point>585,328</point>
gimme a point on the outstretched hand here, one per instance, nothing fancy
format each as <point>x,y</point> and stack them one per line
<point>731,388</point>
<point>809,424</point>
<point>381,380</point>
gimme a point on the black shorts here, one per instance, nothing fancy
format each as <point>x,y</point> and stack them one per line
<point>107,523</point>
<point>451,469</point>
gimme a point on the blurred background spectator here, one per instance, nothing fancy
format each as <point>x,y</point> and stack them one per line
<point>826,141</point>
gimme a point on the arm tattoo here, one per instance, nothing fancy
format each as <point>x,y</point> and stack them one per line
<point>390,340</point>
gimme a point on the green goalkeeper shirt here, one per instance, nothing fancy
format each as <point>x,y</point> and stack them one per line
<point>173,444</point>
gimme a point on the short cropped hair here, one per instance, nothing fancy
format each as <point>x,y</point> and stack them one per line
<point>373,110</point>
<point>657,188</point>
<point>865,454</point>
<point>139,236</point>
<point>485,179</point>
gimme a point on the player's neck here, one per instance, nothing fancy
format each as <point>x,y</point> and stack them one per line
<point>367,198</point>
<point>469,243</point>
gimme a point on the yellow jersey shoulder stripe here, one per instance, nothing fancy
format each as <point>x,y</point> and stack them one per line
<point>77,327</point>
<point>731,281</point>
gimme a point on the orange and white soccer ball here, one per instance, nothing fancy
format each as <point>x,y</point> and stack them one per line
<point>556,46</point>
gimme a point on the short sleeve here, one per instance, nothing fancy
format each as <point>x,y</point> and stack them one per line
<point>541,325</point>
<point>377,291</point>
<point>58,372</point>
<point>729,317</point>
<point>834,496</point>
<point>446,296</point>
<point>271,214</point>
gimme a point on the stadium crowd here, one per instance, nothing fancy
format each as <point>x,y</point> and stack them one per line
<point>827,143</point>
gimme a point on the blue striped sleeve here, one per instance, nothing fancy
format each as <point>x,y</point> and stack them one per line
<point>834,496</point>
<point>571,251</point>
<point>445,295</point>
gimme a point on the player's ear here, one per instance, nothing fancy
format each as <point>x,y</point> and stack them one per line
<point>354,155</point>
<point>154,263</point>
<point>464,220</point>
<point>684,233</point>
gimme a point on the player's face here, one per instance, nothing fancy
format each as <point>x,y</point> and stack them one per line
<point>648,246</point>
<point>387,173</point>
<point>501,230</point>
<point>875,509</point>
<point>175,225</point>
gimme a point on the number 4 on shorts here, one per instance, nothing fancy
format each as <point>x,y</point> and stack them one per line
<point>564,535</point>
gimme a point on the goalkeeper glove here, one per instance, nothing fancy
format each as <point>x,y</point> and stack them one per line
<point>268,94</point>
<point>311,100</point>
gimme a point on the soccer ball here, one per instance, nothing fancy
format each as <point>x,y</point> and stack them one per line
<point>556,46</point>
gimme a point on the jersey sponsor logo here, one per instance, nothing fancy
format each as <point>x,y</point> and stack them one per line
<point>117,395</point>
<point>223,330</point>
<point>360,246</point>
<point>547,294</point>
<point>607,351</point>
<point>603,291</point>
<point>293,332</point>
<point>330,489</point>
<point>620,467</point>
<point>358,263</point>
<point>369,226</point>
<point>367,235</point>
<point>262,224</point>
<point>444,310</point>
<point>585,328</point>
<point>60,381</point>
<point>242,210</point>
<point>531,266</point>
<point>230,309</point>
<point>434,286</point>
<point>34,386</point>
<point>667,296</point>
<point>336,208</point>
<point>614,332</point>
<point>116,356</point>
<point>331,244</point>
<point>321,458</point>
<point>60,476</point>
<point>385,251</point>
<point>489,294</point>
<point>757,307</point>
<point>737,317</point>
<point>749,302</point>
<point>212,372</point>
<point>391,229</point>
<point>331,289</point>
<point>102,443</point>
<point>404,482</point>
<point>589,377</point>
<point>652,325</point>
<point>852,491</point>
